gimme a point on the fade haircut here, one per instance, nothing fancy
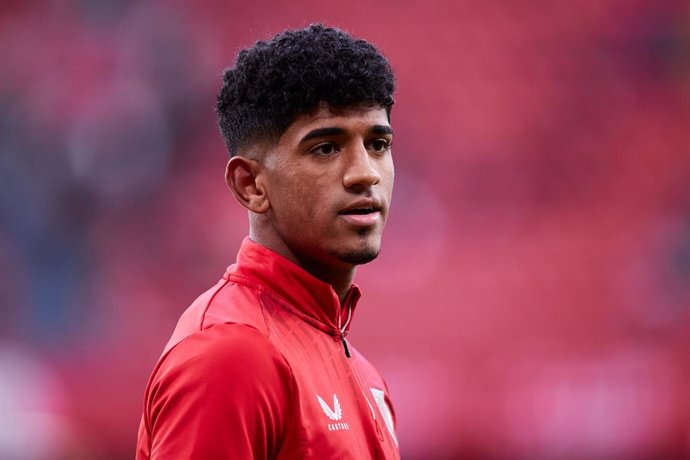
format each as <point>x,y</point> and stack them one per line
<point>274,82</point>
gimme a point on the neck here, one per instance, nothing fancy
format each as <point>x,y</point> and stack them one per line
<point>340,280</point>
<point>339,276</point>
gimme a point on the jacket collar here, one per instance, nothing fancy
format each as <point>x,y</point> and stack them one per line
<point>297,287</point>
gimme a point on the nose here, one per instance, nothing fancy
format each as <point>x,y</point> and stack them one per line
<point>360,170</point>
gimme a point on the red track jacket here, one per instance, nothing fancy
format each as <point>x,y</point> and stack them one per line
<point>258,367</point>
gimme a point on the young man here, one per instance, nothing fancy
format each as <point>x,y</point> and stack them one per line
<point>259,366</point>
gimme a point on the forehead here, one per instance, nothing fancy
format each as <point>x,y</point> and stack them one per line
<point>350,119</point>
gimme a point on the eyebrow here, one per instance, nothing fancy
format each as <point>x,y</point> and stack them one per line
<point>321,132</point>
<point>334,131</point>
<point>382,129</point>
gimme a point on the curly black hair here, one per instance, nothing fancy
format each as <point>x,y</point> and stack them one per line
<point>274,82</point>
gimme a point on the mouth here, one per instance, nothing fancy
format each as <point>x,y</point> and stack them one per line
<point>358,211</point>
<point>364,213</point>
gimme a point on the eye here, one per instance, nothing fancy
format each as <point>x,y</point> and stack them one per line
<point>380,145</point>
<point>327,148</point>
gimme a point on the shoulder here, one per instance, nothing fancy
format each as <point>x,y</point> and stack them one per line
<point>226,382</point>
<point>226,367</point>
<point>222,353</point>
<point>228,302</point>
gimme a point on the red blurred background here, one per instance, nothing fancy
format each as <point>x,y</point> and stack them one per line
<point>532,299</point>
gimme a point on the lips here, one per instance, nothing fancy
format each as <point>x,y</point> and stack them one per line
<point>362,207</point>
<point>358,211</point>
<point>362,213</point>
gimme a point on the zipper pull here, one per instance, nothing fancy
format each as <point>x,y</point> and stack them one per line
<point>347,350</point>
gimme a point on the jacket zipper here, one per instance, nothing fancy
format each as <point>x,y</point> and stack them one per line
<point>342,329</point>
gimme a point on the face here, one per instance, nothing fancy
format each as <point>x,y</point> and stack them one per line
<point>329,182</point>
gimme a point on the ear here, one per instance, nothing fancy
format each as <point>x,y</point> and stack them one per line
<point>243,179</point>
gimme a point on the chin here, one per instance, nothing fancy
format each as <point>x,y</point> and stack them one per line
<point>362,255</point>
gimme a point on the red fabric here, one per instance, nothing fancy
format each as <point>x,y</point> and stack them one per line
<point>256,368</point>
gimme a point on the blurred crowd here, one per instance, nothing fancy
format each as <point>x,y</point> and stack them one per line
<point>532,299</point>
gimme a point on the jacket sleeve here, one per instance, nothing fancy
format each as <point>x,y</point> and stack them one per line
<point>221,393</point>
